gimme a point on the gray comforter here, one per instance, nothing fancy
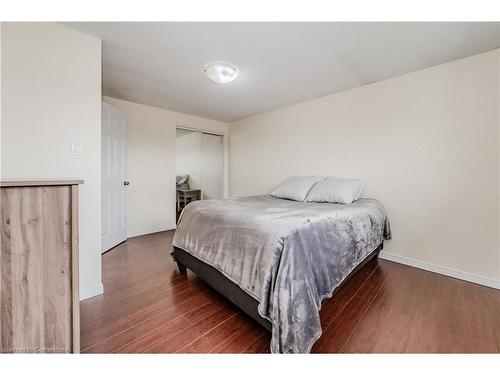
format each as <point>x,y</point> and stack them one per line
<point>288,255</point>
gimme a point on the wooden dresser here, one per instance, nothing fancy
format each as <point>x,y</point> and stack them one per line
<point>39,296</point>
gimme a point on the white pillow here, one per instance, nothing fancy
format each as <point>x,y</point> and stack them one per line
<point>296,187</point>
<point>336,190</point>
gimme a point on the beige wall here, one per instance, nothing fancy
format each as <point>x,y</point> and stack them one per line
<point>151,163</point>
<point>51,97</point>
<point>425,143</point>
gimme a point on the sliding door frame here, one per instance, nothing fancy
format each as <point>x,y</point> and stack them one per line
<point>200,130</point>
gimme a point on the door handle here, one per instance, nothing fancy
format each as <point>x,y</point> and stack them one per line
<point>126,183</point>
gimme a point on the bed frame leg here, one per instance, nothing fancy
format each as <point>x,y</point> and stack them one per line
<point>381,247</point>
<point>182,268</point>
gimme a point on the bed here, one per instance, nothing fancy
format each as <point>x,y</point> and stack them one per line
<point>278,259</point>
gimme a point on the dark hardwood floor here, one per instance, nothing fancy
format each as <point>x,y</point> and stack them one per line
<point>147,306</point>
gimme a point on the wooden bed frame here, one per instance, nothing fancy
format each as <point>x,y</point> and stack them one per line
<point>232,291</point>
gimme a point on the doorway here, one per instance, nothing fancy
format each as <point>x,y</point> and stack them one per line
<point>199,167</point>
<point>113,177</point>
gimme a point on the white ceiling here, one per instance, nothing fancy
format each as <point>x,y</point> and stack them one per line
<point>161,64</point>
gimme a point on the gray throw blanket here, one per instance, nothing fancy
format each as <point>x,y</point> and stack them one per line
<point>288,255</point>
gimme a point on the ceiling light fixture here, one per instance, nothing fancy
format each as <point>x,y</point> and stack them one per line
<point>221,72</point>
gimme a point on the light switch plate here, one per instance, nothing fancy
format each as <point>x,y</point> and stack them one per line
<point>76,149</point>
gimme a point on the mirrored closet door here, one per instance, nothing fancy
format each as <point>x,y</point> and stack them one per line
<point>199,166</point>
<point>211,166</point>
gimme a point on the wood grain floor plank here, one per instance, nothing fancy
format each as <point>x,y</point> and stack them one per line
<point>110,320</point>
<point>215,337</point>
<point>136,299</point>
<point>260,345</point>
<point>148,321</point>
<point>412,315</point>
<point>241,340</point>
<point>338,332</point>
<point>160,335</point>
<point>194,331</point>
<point>379,327</point>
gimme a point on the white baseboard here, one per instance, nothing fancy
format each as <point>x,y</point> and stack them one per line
<point>452,272</point>
<point>143,231</point>
<point>91,292</point>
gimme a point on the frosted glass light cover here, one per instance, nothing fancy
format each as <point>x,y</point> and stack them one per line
<point>221,72</point>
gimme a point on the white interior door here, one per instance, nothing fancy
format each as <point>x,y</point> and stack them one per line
<point>211,166</point>
<point>113,177</point>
